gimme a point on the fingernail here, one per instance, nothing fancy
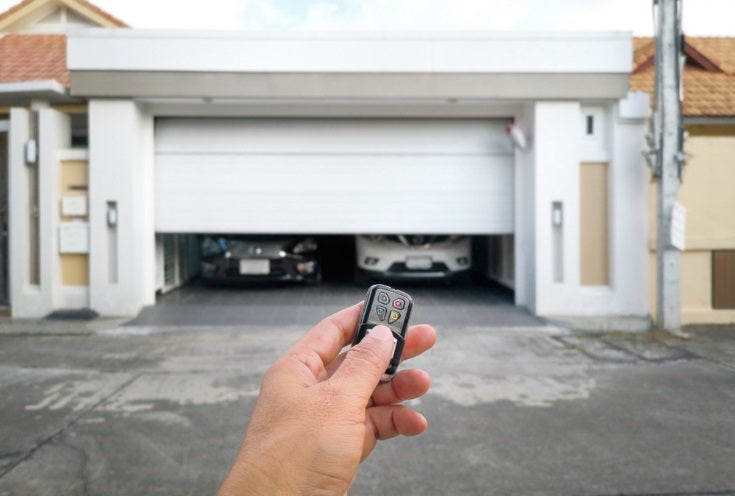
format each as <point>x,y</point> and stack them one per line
<point>381,332</point>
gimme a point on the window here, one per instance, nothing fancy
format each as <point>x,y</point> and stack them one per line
<point>593,130</point>
<point>590,121</point>
<point>723,279</point>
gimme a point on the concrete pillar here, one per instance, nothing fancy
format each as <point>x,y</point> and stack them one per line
<point>29,298</point>
<point>122,231</point>
<point>557,153</point>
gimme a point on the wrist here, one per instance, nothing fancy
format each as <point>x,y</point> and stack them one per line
<point>249,479</point>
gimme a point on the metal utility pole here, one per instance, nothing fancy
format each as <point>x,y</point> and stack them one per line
<point>666,141</point>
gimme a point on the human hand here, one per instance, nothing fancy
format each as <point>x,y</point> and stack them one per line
<point>321,412</point>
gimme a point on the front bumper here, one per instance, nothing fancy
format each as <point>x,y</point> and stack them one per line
<point>281,269</point>
<point>399,271</point>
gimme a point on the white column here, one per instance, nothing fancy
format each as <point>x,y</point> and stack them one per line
<point>629,215</point>
<point>121,174</point>
<point>524,215</point>
<point>26,300</point>
<point>556,175</point>
<point>53,134</point>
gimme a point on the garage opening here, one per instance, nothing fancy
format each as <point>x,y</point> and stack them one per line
<point>480,299</point>
<point>331,179</point>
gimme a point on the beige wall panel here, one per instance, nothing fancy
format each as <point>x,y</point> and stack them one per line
<point>74,181</point>
<point>696,280</point>
<point>73,173</point>
<point>652,283</point>
<point>74,270</point>
<point>708,192</point>
<point>594,225</point>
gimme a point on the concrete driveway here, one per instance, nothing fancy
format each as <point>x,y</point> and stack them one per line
<point>100,408</point>
<point>463,304</point>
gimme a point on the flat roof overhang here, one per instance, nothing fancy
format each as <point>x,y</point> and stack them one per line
<point>20,93</point>
<point>109,63</point>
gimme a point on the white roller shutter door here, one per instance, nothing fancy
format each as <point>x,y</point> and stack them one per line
<point>333,176</point>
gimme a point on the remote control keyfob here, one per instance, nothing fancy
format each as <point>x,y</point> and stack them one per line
<point>391,308</point>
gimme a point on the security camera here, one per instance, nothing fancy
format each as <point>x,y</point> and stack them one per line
<point>516,136</point>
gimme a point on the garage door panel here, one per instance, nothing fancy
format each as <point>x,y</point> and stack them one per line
<point>334,194</point>
<point>335,188</point>
<point>332,137</point>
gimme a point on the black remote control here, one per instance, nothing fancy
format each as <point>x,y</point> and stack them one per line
<point>391,308</point>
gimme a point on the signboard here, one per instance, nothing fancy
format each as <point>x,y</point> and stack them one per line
<point>74,205</point>
<point>678,226</point>
<point>74,237</point>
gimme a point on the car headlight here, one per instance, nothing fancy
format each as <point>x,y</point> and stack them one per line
<point>306,267</point>
<point>209,267</point>
<point>304,246</point>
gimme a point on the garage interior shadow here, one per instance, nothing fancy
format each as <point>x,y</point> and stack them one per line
<point>472,301</point>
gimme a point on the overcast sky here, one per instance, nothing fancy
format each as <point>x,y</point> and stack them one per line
<point>701,17</point>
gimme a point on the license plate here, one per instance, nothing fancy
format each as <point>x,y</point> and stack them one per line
<point>255,266</point>
<point>418,263</point>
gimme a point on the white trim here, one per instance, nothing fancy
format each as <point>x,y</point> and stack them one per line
<point>73,297</point>
<point>69,154</point>
<point>386,35</point>
<point>348,52</point>
<point>323,108</point>
<point>49,85</point>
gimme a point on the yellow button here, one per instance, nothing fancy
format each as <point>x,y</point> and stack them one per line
<point>393,316</point>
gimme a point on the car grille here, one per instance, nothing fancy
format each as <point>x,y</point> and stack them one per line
<point>400,267</point>
<point>280,267</point>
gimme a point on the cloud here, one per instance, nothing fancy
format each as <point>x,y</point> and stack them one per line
<point>701,17</point>
<point>496,15</point>
<point>174,14</point>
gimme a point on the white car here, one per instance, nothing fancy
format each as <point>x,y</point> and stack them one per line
<point>412,256</point>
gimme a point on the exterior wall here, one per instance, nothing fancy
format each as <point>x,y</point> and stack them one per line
<point>707,194</point>
<point>74,267</point>
<point>4,128</point>
<point>559,150</point>
<point>557,158</point>
<point>28,299</point>
<point>122,234</point>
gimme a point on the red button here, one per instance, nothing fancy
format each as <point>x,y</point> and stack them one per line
<point>399,303</point>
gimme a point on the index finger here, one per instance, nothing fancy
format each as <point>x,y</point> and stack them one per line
<point>329,336</point>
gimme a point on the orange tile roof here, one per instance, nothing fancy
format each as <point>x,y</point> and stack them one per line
<point>85,3</point>
<point>33,57</point>
<point>708,92</point>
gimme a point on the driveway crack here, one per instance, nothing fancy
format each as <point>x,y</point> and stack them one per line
<point>59,432</point>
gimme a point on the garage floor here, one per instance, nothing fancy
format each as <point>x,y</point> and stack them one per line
<point>457,305</point>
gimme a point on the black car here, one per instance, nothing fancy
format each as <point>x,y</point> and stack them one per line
<point>259,258</point>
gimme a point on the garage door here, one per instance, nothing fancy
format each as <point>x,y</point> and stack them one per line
<point>333,176</point>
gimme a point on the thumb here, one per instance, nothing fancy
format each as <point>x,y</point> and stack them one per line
<point>365,363</point>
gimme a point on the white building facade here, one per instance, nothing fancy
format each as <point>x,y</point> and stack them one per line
<point>193,132</point>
